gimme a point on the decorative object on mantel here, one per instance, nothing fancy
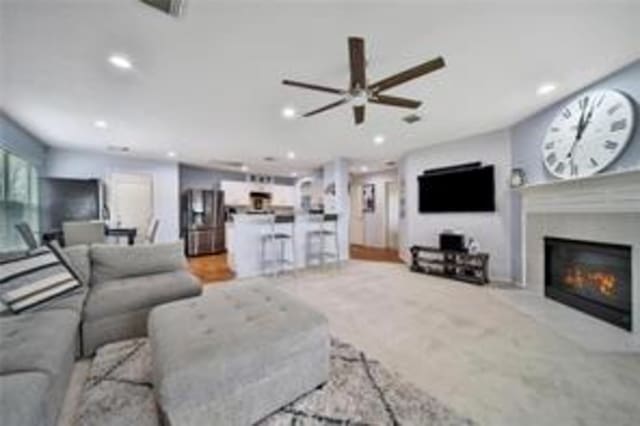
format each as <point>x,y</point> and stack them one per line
<point>368,198</point>
<point>518,178</point>
<point>588,134</point>
<point>360,390</point>
<point>472,246</point>
<point>457,265</point>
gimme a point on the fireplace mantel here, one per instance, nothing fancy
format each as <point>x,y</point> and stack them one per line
<point>613,192</point>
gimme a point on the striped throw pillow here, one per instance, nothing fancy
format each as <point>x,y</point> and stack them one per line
<point>34,279</point>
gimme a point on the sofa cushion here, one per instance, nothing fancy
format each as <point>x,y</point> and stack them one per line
<point>73,301</point>
<point>130,294</point>
<point>23,398</point>
<point>38,341</point>
<point>76,259</point>
<point>34,279</point>
<point>112,262</point>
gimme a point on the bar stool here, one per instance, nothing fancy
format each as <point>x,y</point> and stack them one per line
<point>275,239</point>
<point>319,236</point>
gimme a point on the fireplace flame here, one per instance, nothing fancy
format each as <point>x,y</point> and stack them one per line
<point>580,277</point>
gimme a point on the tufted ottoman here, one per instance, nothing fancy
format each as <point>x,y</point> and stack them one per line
<point>235,355</point>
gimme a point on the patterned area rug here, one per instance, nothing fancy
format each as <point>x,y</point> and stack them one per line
<point>360,391</point>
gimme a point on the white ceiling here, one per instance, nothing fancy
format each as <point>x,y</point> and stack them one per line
<point>207,85</point>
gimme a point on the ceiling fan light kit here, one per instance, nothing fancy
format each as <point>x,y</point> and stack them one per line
<point>360,92</point>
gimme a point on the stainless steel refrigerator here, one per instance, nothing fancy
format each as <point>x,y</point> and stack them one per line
<point>203,221</point>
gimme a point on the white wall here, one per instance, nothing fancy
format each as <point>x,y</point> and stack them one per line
<point>374,224</point>
<point>337,172</point>
<point>81,164</point>
<point>491,230</point>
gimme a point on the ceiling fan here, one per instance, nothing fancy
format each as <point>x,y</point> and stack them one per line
<point>360,92</point>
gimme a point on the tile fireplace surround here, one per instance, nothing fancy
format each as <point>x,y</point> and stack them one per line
<point>603,208</point>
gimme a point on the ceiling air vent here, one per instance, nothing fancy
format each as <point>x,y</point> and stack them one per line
<point>172,7</point>
<point>411,118</point>
<point>118,148</point>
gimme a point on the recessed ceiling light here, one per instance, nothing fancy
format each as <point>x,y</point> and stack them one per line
<point>244,168</point>
<point>378,139</point>
<point>364,169</point>
<point>294,174</point>
<point>546,88</point>
<point>120,61</point>
<point>171,154</point>
<point>100,124</point>
<point>288,112</point>
<point>291,155</point>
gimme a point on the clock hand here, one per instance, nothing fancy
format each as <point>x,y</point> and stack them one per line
<point>582,125</point>
<point>578,131</point>
<point>588,120</point>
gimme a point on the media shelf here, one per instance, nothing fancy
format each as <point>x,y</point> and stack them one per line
<point>457,265</point>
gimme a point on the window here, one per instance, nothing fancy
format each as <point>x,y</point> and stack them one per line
<point>18,199</point>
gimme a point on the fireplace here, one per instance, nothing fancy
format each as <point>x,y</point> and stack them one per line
<point>589,276</point>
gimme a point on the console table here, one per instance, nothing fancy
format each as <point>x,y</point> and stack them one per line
<point>472,268</point>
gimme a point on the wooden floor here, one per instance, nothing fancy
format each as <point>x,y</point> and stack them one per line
<point>211,268</point>
<point>374,253</point>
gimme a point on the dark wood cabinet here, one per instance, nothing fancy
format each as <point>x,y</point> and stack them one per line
<point>457,265</point>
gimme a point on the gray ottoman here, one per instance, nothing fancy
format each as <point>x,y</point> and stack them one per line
<point>235,355</point>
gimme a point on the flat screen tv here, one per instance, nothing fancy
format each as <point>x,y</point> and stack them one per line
<point>466,188</point>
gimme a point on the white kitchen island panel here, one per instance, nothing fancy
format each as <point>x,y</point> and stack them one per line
<point>244,239</point>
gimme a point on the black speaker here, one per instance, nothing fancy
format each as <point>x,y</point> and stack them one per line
<point>452,242</point>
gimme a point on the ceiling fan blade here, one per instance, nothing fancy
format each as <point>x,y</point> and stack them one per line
<point>313,87</point>
<point>395,101</point>
<point>410,74</point>
<point>326,107</point>
<point>357,63</point>
<point>358,114</point>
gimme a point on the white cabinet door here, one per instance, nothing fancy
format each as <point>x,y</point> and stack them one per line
<point>235,193</point>
<point>282,195</point>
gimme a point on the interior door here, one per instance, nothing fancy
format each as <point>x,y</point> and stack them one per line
<point>131,201</point>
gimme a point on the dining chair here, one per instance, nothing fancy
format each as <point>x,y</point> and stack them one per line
<point>152,231</point>
<point>83,233</point>
<point>27,235</point>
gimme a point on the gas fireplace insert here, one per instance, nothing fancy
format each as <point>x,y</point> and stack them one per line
<point>592,277</point>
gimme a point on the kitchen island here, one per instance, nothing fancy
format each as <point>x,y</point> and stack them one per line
<point>244,240</point>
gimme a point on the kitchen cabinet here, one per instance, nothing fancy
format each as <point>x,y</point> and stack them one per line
<point>235,193</point>
<point>282,195</point>
<point>238,193</point>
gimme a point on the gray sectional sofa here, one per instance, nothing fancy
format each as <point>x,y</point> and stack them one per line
<point>120,286</point>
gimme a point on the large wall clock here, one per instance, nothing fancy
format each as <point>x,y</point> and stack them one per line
<point>588,134</point>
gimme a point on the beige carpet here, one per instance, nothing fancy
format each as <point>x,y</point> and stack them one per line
<point>465,346</point>
<point>469,348</point>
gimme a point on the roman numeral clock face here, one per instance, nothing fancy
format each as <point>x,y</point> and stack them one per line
<point>588,134</point>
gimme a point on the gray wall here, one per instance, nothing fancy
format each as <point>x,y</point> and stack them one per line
<point>192,177</point>
<point>527,135</point>
<point>491,229</point>
<point>85,165</point>
<point>17,140</point>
